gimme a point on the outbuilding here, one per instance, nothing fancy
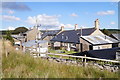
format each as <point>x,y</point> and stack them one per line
<point>35,46</point>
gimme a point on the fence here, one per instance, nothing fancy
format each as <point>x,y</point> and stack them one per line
<point>84,57</point>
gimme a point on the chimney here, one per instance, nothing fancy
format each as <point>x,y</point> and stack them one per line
<point>96,24</point>
<point>76,26</point>
<point>81,31</point>
<point>62,28</point>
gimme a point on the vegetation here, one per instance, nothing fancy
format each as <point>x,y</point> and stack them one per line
<point>19,30</point>
<point>3,32</point>
<point>63,51</point>
<point>110,31</point>
<point>9,37</point>
<point>16,31</point>
<point>19,65</point>
<point>114,30</point>
<point>105,31</point>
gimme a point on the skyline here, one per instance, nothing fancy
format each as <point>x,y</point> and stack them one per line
<point>53,15</point>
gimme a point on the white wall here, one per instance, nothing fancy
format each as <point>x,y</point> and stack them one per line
<point>42,50</point>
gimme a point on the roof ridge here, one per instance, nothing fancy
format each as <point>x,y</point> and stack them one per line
<point>77,29</point>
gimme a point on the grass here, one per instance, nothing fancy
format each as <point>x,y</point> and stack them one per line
<point>19,65</point>
<point>57,52</point>
<point>63,50</point>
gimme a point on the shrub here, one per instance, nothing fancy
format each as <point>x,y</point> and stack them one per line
<point>9,37</point>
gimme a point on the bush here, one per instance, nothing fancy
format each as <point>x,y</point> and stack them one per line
<point>9,37</point>
<point>106,32</point>
<point>19,30</point>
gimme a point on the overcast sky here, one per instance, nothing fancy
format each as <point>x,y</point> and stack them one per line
<point>52,15</point>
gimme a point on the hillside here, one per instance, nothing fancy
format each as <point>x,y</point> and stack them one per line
<point>19,65</point>
<point>16,31</point>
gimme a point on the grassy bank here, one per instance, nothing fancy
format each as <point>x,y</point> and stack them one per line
<point>19,65</point>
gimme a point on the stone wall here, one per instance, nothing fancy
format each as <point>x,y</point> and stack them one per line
<point>85,45</point>
<point>105,66</point>
<point>31,35</point>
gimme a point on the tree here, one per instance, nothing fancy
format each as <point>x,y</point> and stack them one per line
<point>105,31</point>
<point>9,37</point>
<point>20,30</point>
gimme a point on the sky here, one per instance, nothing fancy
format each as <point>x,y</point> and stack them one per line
<point>53,15</point>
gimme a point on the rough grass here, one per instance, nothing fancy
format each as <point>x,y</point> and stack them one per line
<point>17,65</point>
<point>65,51</point>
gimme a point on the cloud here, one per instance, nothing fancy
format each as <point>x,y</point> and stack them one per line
<point>115,0</point>
<point>66,27</point>
<point>0,11</point>
<point>7,11</point>
<point>74,15</point>
<point>44,20</point>
<point>15,6</point>
<point>112,22</point>
<point>10,18</point>
<point>10,28</point>
<point>10,12</point>
<point>108,12</point>
<point>48,22</point>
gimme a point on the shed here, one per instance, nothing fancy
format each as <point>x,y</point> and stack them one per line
<point>102,53</point>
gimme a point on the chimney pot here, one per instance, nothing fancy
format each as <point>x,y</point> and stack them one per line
<point>62,28</point>
<point>97,24</point>
<point>76,25</point>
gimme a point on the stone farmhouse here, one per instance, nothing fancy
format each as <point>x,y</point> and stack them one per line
<point>83,39</point>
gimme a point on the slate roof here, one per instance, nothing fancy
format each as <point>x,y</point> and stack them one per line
<point>33,42</point>
<point>27,31</point>
<point>102,53</point>
<point>18,37</point>
<point>49,33</point>
<point>116,36</point>
<point>99,39</point>
<point>72,36</point>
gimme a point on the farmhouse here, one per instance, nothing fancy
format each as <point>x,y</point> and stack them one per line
<point>94,42</point>
<point>78,39</point>
<point>48,35</point>
<point>116,36</point>
<point>35,46</point>
<point>18,40</point>
<point>32,34</point>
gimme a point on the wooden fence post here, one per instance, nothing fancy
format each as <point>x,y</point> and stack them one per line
<point>85,61</point>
